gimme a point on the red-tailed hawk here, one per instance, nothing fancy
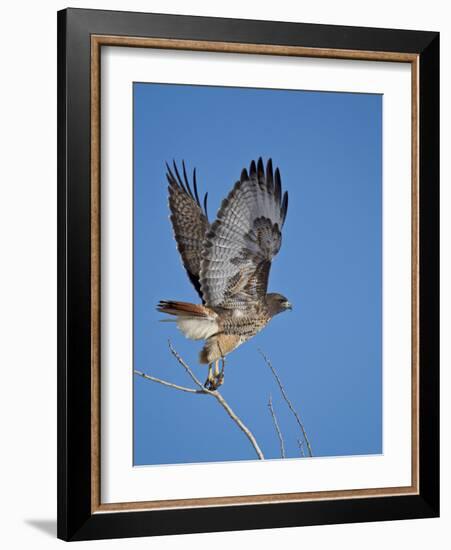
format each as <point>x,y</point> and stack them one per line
<point>228,262</point>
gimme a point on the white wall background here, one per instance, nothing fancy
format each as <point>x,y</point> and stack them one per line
<point>28,272</point>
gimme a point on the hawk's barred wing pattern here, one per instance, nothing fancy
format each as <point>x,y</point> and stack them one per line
<point>241,243</point>
<point>189,221</point>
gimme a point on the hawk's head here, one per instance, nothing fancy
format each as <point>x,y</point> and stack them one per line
<point>277,303</point>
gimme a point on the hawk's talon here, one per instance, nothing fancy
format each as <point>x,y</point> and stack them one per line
<point>213,382</point>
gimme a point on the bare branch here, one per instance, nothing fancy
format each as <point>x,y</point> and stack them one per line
<point>277,427</point>
<point>165,383</point>
<point>204,391</point>
<point>301,447</point>
<point>187,368</point>
<point>287,400</point>
<point>239,422</point>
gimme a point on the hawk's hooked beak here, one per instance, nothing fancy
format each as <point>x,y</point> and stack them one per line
<point>288,305</point>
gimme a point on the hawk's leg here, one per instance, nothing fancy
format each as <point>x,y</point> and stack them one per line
<point>210,377</point>
<point>217,369</point>
<point>215,379</point>
<point>220,374</point>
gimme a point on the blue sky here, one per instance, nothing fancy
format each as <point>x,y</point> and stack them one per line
<point>328,349</point>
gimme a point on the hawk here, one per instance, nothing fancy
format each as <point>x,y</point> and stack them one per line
<point>228,261</point>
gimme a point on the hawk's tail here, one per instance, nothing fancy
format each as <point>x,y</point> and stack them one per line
<point>182,309</point>
<point>194,320</point>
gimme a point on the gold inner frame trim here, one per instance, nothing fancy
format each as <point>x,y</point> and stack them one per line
<point>97,41</point>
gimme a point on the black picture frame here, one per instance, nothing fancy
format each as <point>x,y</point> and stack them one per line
<point>76,521</point>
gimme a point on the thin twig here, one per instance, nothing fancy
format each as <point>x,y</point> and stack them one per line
<point>301,447</point>
<point>186,367</point>
<point>204,391</point>
<point>238,422</point>
<point>277,427</point>
<point>165,383</point>
<point>287,400</point>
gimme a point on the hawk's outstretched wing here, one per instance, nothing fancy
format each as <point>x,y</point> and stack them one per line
<point>189,221</point>
<point>241,243</point>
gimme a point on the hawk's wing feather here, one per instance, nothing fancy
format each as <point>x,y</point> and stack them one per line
<point>189,221</point>
<point>241,243</point>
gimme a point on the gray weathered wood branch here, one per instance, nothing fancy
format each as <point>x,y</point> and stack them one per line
<point>202,390</point>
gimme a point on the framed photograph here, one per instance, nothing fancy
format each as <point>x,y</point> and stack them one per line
<point>248,274</point>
